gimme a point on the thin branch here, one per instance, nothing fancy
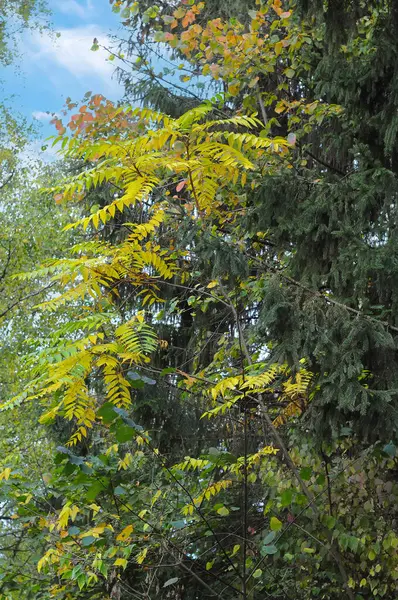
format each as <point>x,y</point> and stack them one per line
<point>262,108</point>
<point>7,181</point>
<point>7,263</point>
<point>325,164</point>
<point>326,463</point>
<point>197,508</point>
<point>27,297</point>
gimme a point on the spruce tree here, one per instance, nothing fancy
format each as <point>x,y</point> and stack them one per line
<point>330,220</point>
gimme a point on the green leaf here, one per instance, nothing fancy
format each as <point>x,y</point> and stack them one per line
<point>257,573</point>
<point>148,380</point>
<point>167,371</point>
<point>330,522</point>
<point>286,497</point>
<point>64,450</point>
<point>353,543</point>
<point>221,458</point>
<point>81,581</point>
<point>96,488</point>
<point>346,431</point>
<point>306,473</point>
<point>73,530</point>
<point>124,433</point>
<point>269,549</point>
<point>69,469</point>
<point>269,538</point>
<point>137,384</point>
<point>275,524</point>
<point>107,412</point>
<point>132,424</point>
<point>223,511</point>
<point>214,453</point>
<point>390,449</point>
<point>86,469</point>
<point>76,460</point>
<point>178,524</point>
<point>87,541</point>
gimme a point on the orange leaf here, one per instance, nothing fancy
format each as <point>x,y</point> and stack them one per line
<point>181,185</point>
<point>97,99</point>
<point>188,19</point>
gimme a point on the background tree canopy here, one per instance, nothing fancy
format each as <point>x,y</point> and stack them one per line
<point>199,369</point>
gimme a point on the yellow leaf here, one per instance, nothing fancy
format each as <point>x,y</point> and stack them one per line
<point>212,284</point>
<point>125,534</point>
<point>141,556</point>
<point>156,497</point>
<point>113,448</point>
<point>64,516</point>
<point>95,508</point>
<point>125,462</point>
<point>5,474</point>
<point>73,512</point>
<point>51,555</point>
<point>120,562</point>
<point>41,563</point>
<point>95,531</point>
<point>234,88</point>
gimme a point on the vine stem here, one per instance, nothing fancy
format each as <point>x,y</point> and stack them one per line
<point>245,489</point>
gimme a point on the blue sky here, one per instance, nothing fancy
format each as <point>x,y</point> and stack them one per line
<point>53,68</point>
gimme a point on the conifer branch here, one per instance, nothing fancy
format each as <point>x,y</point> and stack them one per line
<point>288,459</point>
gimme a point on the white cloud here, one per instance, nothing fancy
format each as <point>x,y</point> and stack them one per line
<point>71,7</point>
<point>43,116</point>
<point>71,51</point>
